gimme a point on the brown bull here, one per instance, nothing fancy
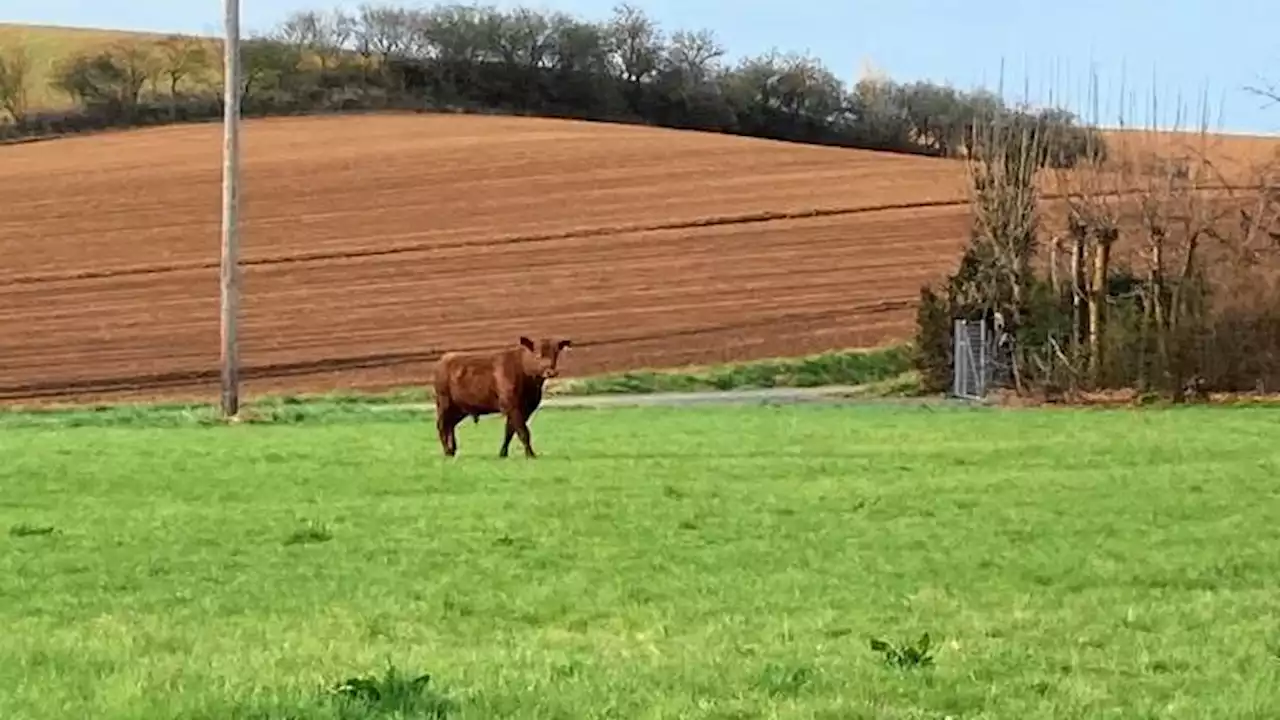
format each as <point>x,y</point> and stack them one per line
<point>482,383</point>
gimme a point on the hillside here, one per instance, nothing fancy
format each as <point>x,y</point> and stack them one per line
<point>46,46</point>
<point>373,242</point>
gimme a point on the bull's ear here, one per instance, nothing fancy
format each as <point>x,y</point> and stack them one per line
<point>564,344</point>
<point>527,343</point>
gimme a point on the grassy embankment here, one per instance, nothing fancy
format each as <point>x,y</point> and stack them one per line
<point>691,562</point>
<point>878,372</point>
<point>47,46</point>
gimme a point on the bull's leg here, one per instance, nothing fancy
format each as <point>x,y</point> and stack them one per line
<point>508,432</point>
<point>453,434</point>
<point>447,420</point>
<point>522,429</point>
<point>445,432</point>
<point>442,425</point>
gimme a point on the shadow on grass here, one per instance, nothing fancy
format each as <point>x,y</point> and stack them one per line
<point>652,456</point>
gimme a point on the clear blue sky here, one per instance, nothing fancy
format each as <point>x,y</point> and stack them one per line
<point>1189,45</point>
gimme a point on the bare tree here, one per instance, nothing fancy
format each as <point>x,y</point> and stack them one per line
<point>15,68</point>
<point>636,43</point>
<point>1177,215</point>
<point>141,65</point>
<point>694,54</point>
<point>323,36</point>
<point>790,92</point>
<point>1249,321</point>
<point>1265,90</point>
<point>1094,195</point>
<point>267,65</point>
<point>1259,218</point>
<point>524,41</point>
<point>337,31</point>
<point>181,57</point>
<point>579,46</point>
<point>300,30</point>
<point>807,90</point>
<point>455,33</point>
<point>456,38</point>
<point>114,77</point>
<point>1004,239</point>
<point>690,66</point>
<point>937,116</point>
<point>522,38</point>
<point>1165,205</point>
<point>877,108</point>
<point>383,30</point>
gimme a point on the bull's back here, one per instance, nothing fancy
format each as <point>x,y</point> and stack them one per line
<point>440,376</point>
<point>470,381</point>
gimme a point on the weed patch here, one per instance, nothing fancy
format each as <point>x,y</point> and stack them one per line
<point>906,655</point>
<point>22,530</point>
<point>309,533</point>
<point>391,694</point>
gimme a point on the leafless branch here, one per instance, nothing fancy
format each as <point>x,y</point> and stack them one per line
<point>1266,90</point>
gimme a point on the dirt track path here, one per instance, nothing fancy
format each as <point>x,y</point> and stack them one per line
<point>826,395</point>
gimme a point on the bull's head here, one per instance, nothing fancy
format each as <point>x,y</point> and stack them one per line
<point>543,356</point>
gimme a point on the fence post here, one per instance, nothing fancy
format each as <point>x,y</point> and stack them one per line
<point>981,373</point>
<point>957,358</point>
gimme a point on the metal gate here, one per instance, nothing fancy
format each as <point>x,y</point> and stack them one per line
<point>971,364</point>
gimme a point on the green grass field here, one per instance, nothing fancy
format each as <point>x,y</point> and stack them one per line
<point>655,563</point>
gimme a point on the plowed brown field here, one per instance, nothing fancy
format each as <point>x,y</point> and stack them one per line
<point>373,243</point>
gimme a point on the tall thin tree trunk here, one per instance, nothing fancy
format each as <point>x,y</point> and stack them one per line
<point>1160,314</point>
<point>1097,308</point>
<point>1144,334</point>
<point>1019,303</point>
<point>1077,294</point>
<point>1054,279</point>
<point>1180,345</point>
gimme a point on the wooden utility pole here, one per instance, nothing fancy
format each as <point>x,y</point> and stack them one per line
<point>230,270</point>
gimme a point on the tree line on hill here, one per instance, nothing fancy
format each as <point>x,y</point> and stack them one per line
<point>474,58</point>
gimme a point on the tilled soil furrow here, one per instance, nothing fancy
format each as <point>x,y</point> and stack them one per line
<point>373,243</point>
